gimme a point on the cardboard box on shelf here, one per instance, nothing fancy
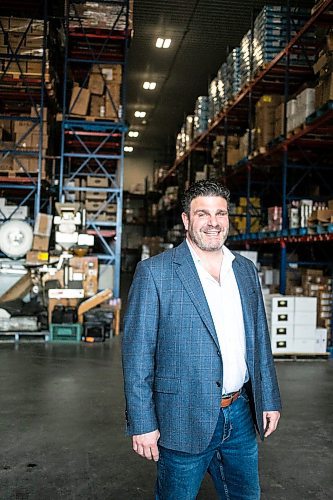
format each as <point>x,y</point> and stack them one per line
<point>94,206</point>
<point>113,73</point>
<point>97,106</point>
<point>95,195</point>
<point>101,182</point>
<point>96,81</point>
<point>112,101</point>
<point>40,243</point>
<point>35,112</point>
<point>79,101</point>
<point>43,224</point>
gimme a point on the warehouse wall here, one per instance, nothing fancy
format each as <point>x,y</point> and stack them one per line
<point>137,168</point>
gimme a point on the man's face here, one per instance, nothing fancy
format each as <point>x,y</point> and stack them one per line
<point>208,223</point>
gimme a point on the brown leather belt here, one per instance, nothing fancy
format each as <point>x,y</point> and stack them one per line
<point>230,398</point>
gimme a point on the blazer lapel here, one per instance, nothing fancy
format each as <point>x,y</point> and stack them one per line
<point>188,275</point>
<point>243,286</point>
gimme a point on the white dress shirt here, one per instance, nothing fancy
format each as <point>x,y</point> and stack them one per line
<point>226,309</point>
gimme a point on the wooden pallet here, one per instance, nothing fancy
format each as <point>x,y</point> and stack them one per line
<point>27,337</point>
<point>300,356</point>
<point>59,118</point>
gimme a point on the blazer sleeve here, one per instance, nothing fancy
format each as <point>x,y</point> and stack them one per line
<point>269,384</point>
<point>138,351</point>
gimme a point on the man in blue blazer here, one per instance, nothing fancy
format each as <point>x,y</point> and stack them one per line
<point>198,368</point>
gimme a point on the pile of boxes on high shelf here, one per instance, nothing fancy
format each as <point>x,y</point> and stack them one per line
<point>244,62</point>
<point>300,321</point>
<point>102,97</point>
<point>305,213</point>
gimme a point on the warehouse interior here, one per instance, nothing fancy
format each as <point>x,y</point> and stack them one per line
<point>109,110</point>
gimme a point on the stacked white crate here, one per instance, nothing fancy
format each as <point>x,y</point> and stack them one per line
<point>305,331</point>
<point>280,317</point>
<point>292,325</point>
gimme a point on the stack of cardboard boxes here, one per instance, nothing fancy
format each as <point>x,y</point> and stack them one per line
<point>23,135</point>
<point>41,240</point>
<point>265,119</point>
<point>239,221</point>
<point>96,201</point>
<point>323,67</point>
<point>22,37</point>
<point>102,98</point>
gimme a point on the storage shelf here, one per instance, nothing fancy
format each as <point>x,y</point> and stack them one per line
<point>256,87</point>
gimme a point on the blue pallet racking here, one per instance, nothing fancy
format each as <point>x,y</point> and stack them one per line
<point>93,147</point>
<point>260,172</point>
<point>23,96</point>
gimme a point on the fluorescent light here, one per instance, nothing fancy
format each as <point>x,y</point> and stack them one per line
<point>163,43</point>
<point>133,133</point>
<point>149,85</point>
<point>140,114</point>
<point>128,149</point>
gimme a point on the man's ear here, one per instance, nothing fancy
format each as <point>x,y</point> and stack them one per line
<point>185,221</point>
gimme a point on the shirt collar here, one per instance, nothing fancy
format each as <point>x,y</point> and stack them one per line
<point>228,256</point>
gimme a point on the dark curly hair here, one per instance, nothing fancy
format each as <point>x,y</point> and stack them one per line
<point>204,188</point>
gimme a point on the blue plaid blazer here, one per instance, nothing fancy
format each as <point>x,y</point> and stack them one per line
<point>172,365</point>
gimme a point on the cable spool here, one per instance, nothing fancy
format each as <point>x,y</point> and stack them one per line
<point>15,238</point>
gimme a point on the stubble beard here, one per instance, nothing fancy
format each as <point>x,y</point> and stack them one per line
<point>208,246</point>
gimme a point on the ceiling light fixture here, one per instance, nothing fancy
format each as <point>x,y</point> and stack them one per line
<point>128,149</point>
<point>149,85</point>
<point>140,114</point>
<point>133,133</point>
<point>163,43</point>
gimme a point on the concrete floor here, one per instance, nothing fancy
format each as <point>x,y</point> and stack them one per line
<point>62,428</point>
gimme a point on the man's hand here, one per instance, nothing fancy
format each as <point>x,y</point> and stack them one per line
<point>146,445</point>
<point>271,419</point>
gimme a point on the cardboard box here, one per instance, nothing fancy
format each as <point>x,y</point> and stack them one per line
<point>96,81</point>
<point>113,73</point>
<point>40,243</point>
<point>96,195</point>
<point>281,332</point>
<point>93,206</point>
<point>89,267</point>
<point>79,101</point>
<point>43,224</point>
<point>97,106</point>
<point>100,182</point>
<point>35,257</point>
<point>112,101</point>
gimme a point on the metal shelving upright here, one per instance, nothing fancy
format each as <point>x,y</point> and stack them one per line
<point>94,146</point>
<point>23,95</point>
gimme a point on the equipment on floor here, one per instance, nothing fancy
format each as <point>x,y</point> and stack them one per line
<point>70,224</point>
<point>15,238</point>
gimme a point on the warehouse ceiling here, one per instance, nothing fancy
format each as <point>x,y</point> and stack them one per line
<point>202,34</point>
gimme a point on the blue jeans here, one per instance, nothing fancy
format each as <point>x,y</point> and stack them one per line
<point>231,459</point>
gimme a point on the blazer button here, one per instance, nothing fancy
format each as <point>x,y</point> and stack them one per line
<point>218,384</point>
<point>218,353</point>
